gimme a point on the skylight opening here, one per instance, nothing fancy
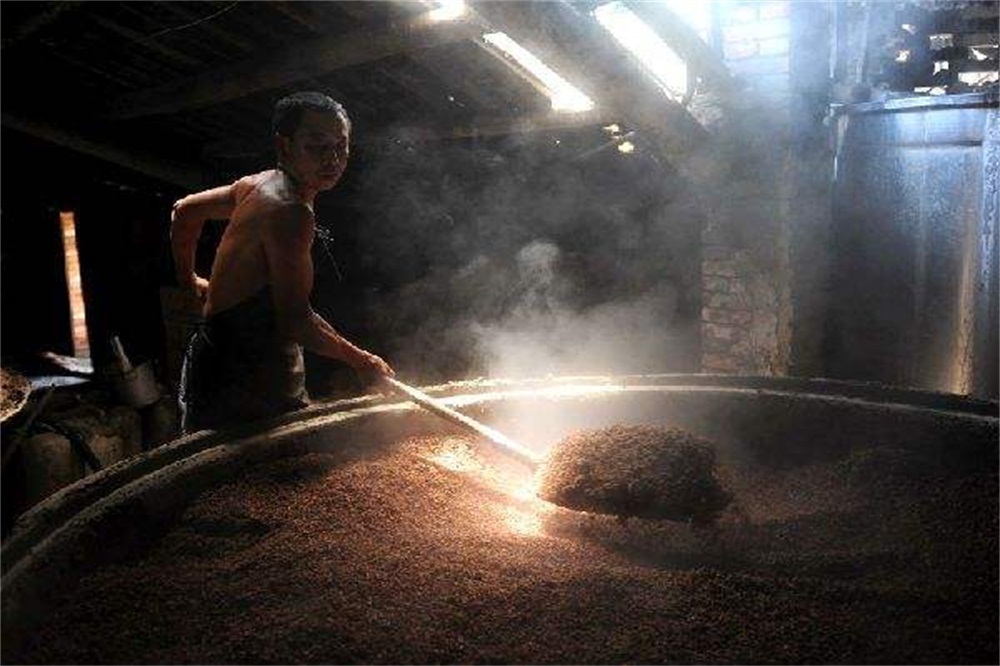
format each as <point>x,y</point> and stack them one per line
<point>667,68</point>
<point>448,10</point>
<point>979,78</point>
<point>564,96</point>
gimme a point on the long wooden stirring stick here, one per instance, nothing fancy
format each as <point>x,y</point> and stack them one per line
<point>500,440</point>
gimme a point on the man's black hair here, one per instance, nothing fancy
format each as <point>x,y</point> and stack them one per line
<point>289,110</point>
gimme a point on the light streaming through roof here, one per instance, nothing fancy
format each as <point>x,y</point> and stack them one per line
<point>448,10</point>
<point>979,78</point>
<point>564,96</point>
<point>669,70</point>
<point>696,13</point>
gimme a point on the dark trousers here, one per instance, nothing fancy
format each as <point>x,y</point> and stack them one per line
<point>234,380</point>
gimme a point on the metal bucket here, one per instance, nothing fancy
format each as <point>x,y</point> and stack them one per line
<point>137,386</point>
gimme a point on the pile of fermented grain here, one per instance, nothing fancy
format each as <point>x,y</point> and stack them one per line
<point>14,391</point>
<point>636,470</point>
<point>421,553</point>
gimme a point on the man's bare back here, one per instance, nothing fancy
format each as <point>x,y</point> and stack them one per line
<point>240,269</point>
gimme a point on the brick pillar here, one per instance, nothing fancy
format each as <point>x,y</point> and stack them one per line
<point>751,186</point>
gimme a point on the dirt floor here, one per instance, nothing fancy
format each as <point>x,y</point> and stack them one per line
<point>429,553</point>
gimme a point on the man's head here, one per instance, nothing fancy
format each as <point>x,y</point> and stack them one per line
<point>311,136</point>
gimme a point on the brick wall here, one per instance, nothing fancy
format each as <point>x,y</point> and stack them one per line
<point>767,206</point>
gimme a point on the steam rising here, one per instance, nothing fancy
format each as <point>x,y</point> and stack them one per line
<point>522,258</point>
<point>543,335</point>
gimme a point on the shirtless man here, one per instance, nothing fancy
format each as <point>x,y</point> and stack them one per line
<point>246,362</point>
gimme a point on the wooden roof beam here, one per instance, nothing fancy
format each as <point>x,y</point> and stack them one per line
<point>167,171</point>
<point>313,58</point>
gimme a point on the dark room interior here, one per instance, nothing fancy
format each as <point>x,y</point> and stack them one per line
<point>634,331</point>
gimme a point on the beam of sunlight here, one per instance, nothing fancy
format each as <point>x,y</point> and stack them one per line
<point>666,67</point>
<point>564,96</point>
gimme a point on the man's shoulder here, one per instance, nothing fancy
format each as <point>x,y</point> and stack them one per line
<point>268,198</point>
<point>281,217</point>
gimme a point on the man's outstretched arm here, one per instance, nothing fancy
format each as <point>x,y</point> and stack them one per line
<point>287,244</point>
<point>186,222</point>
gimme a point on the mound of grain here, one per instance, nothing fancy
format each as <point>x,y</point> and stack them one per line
<point>14,391</point>
<point>636,470</point>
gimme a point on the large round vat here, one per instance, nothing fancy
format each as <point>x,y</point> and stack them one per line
<point>863,530</point>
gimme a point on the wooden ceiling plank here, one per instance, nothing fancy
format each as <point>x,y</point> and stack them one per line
<point>38,22</point>
<point>214,31</point>
<point>311,59</point>
<point>426,90</point>
<point>133,68</point>
<point>137,38</point>
<point>58,52</point>
<point>197,47</point>
<point>456,74</point>
<point>144,68</point>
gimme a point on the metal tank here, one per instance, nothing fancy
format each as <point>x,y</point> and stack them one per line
<point>915,264</point>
